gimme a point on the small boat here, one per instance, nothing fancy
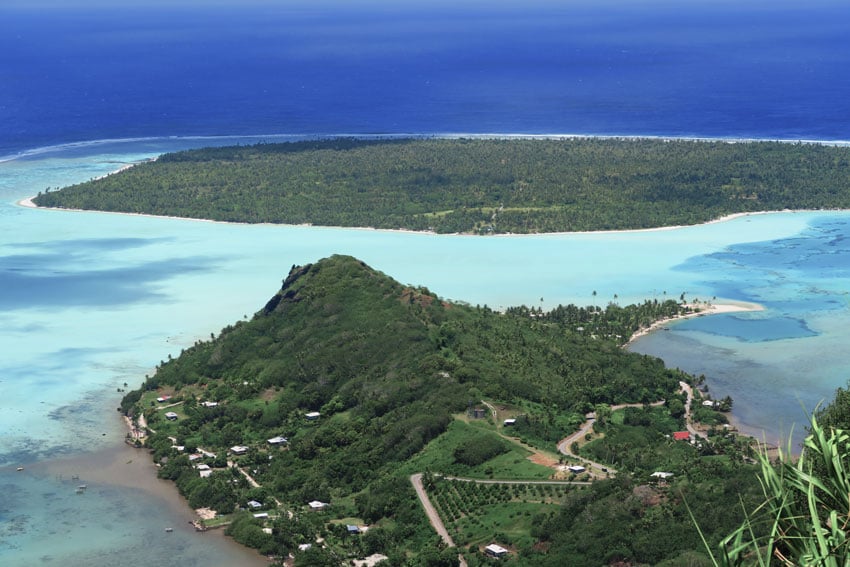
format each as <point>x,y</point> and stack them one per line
<point>82,487</point>
<point>169,530</point>
<point>19,469</point>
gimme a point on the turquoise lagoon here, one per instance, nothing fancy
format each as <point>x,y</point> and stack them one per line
<point>91,301</point>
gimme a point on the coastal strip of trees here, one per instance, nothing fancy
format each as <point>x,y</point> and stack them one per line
<point>481,186</point>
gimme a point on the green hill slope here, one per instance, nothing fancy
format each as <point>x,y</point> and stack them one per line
<point>360,374</point>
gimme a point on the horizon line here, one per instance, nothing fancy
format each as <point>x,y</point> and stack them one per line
<point>42,150</point>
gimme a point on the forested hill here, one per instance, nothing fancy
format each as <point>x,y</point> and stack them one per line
<point>342,337</point>
<point>388,368</point>
<point>476,186</point>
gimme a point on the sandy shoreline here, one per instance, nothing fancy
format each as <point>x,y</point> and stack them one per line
<point>700,310</point>
<point>29,204</point>
<point>124,466</point>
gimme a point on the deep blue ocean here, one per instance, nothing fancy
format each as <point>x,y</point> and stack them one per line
<point>81,70</point>
<point>92,301</point>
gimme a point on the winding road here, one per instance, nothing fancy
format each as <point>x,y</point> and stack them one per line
<point>564,447</point>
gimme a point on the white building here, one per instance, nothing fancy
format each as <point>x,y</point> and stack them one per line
<point>494,550</point>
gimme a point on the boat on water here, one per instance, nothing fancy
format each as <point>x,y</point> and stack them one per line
<point>169,530</point>
<point>19,469</point>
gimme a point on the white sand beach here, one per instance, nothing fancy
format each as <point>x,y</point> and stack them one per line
<point>699,310</point>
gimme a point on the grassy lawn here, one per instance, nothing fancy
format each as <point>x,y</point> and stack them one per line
<point>438,456</point>
<point>219,521</point>
<point>480,513</point>
<point>507,523</point>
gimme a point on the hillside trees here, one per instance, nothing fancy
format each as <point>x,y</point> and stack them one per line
<point>476,186</point>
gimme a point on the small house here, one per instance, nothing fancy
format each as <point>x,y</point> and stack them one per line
<point>304,546</point>
<point>682,436</point>
<point>171,416</point>
<point>494,550</point>
<point>194,457</point>
<point>313,415</point>
<point>261,515</point>
<point>267,531</point>
<point>254,504</point>
<point>239,449</point>
<point>576,469</point>
<point>278,440</point>
<point>509,422</point>
<point>352,530</point>
<point>205,473</point>
<point>660,475</point>
<point>202,467</point>
<point>209,404</point>
<point>373,559</point>
<point>709,403</point>
<point>479,413</point>
<point>163,399</point>
<point>318,505</point>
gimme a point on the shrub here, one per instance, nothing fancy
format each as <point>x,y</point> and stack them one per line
<point>479,449</point>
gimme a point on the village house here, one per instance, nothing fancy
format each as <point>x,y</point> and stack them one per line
<point>494,550</point>
<point>254,504</point>
<point>318,505</point>
<point>171,416</point>
<point>576,469</point>
<point>313,415</point>
<point>239,449</point>
<point>373,559</point>
<point>279,440</point>
<point>509,422</point>
<point>682,436</point>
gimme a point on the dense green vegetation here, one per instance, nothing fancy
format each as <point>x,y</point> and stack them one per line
<point>392,371</point>
<point>480,186</point>
<point>804,511</point>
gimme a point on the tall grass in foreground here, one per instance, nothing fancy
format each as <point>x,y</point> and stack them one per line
<point>805,516</point>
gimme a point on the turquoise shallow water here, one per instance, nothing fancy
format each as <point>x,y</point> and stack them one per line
<point>90,301</point>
